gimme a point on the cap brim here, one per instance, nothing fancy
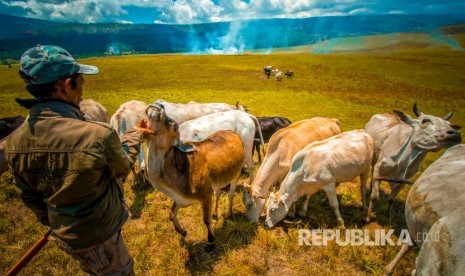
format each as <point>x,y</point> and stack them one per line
<point>87,69</point>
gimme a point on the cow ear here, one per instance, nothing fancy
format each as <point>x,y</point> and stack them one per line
<point>405,118</point>
<point>456,127</point>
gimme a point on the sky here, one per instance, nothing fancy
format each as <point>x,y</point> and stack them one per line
<point>208,11</point>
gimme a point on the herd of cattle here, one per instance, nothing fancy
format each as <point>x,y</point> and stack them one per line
<point>278,74</point>
<point>200,148</point>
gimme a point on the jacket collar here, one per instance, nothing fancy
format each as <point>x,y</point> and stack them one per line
<point>51,107</point>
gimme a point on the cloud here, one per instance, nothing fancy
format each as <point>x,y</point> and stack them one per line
<point>204,11</point>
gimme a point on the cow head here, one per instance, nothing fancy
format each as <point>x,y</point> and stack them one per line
<point>165,127</point>
<point>276,210</point>
<point>431,133</point>
<point>253,202</point>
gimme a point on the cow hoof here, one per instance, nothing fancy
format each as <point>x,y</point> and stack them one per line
<point>209,248</point>
<point>211,238</point>
<point>302,214</point>
<point>182,232</point>
<point>215,216</point>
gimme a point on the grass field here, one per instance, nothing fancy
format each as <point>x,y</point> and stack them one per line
<point>350,87</point>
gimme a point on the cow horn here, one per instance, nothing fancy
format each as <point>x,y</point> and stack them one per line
<point>416,110</point>
<point>448,116</point>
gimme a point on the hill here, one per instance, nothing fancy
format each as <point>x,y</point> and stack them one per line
<point>100,39</point>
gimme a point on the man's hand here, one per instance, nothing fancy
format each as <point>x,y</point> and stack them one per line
<point>143,128</point>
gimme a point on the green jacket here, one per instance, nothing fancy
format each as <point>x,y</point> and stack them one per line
<point>68,171</point>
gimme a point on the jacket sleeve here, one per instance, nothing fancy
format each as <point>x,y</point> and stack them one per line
<point>121,154</point>
<point>32,199</point>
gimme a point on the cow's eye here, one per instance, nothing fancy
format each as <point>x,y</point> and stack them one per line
<point>425,121</point>
<point>273,210</point>
<point>175,127</point>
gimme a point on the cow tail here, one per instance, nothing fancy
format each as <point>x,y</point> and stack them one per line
<point>257,124</point>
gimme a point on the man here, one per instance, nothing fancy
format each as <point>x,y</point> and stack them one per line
<point>67,170</point>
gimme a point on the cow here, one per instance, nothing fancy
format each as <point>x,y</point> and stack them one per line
<point>289,74</point>
<point>320,166</point>
<point>128,115</point>
<point>268,126</point>
<point>94,111</point>
<point>185,112</point>
<point>9,124</point>
<point>401,143</point>
<point>283,145</point>
<point>191,172</point>
<point>238,121</point>
<point>434,209</point>
<point>267,70</point>
<point>3,163</point>
<point>279,76</point>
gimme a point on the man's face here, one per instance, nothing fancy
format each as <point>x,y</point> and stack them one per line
<point>75,91</point>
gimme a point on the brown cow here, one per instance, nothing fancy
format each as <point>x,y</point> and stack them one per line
<point>191,172</point>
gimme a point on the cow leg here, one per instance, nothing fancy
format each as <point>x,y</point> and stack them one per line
<point>174,219</point>
<point>330,191</point>
<point>363,188</point>
<point>304,208</point>
<point>389,269</point>
<point>291,212</point>
<point>374,198</point>
<point>250,165</point>
<point>257,146</point>
<point>232,190</point>
<point>217,198</point>
<point>207,217</point>
<point>395,190</point>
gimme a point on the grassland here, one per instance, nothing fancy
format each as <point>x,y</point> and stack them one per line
<point>350,87</point>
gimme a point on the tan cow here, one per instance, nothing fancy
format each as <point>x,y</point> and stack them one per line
<point>320,166</point>
<point>401,143</point>
<point>282,147</point>
<point>192,172</point>
<point>433,204</point>
<point>94,111</point>
<point>3,163</point>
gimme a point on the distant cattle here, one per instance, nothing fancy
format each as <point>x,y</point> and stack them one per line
<point>9,124</point>
<point>128,115</point>
<point>193,172</point>
<point>268,125</point>
<point>267,70</point>
<point>283,145</point>
<point>401,143</point>
<point>279,76</point>
<point>238,121</point>
<point>185,112</point>
<point>320,166</point>
<point>434,212</point>
<point>289,74</point>
<point>94,111</point>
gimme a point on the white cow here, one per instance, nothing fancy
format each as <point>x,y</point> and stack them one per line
<point>185,112</point>
<point>320,166</point>
<point>128,115</point>
<point>435,215</point>
<point>401,143</point>
<point>94,111</point>
<point>238,121</point>
<point>279,76</point>
<point>283,145</point>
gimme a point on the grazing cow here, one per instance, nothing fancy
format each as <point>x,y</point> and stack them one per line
<point>434,211</point>
<point>289,74</point>
<point>185,112</point>
<point>94,111</point>
<point>268,126</point>
<point>238,121</point>
<point>283,145</point>
<point>128,115</point>
<point>401,143</point>
<point>8,124</point>
<point>267,70</point>
<point>320,166</point>
<point>279,76</point>
<point>3,163</point>
<point>191,172</point>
